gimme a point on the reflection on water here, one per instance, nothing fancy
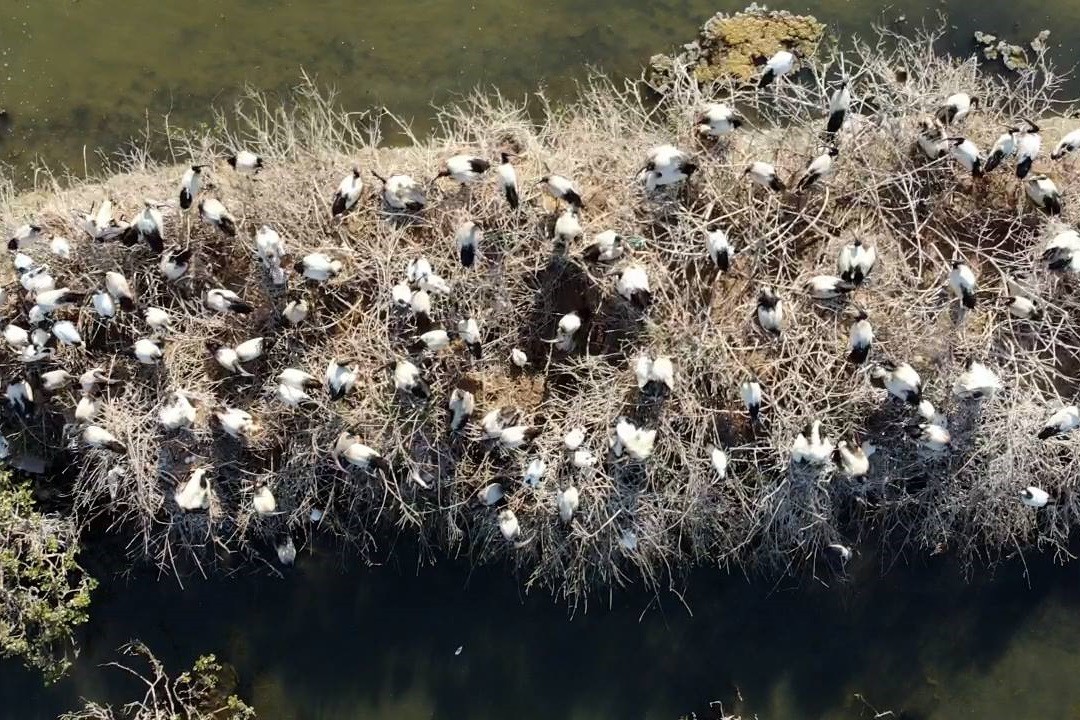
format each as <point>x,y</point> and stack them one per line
<point>93,73</point>
<point>379,643</point>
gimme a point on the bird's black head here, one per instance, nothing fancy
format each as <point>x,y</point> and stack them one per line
<point>956,142</point>
<point>356,173</point>
<point>861,315</point>
<point>197,168</point>
<point>833,151</point>
<point>504,157</point>
<point>232,161</point>
<point>957,262</point>
<point>857,242</point>
<point>689,168</point>
<point>213,346</point>
<point>975,102</point>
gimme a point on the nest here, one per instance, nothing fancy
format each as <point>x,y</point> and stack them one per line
<point>638,520</point>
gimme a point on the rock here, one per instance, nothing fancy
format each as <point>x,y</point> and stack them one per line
<point>1039,43</point>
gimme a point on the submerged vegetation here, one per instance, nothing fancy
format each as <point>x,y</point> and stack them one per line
<point>631,454</point>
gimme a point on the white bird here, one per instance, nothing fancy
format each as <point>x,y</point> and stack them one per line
<point>175,263</point>
<point>568,501</point>
<point>149,227</point>
<point>464,169</point>
<point>54,380</point>
<point>37,280</point>
<point>901,381</point>
<point>636,442</point>
<point>407,379</point>
<point>605,247</point>
<point>86,409</point>
<point>632,284</point>
<point>50,300</point>
<point>462,404</point>
<point>16,336</point>
<point>508,524</point>
<point>810,447</point>
<point>1042,191</point>
<point>60,247</point>
<point>628,541</point>
<point>420,305</point>
<point>720,249</point>
<point>469,332</point>
<point>235,422</point>
<point>828,287</point>
<point>401,192</point>
<point>820,168</point>
<point>269,246</point>
<point>98,437</point>
<point>764,174</point>
<point>1066,145</point>
<point>20,395</point>
<point>340,379</point>
<point>928,413</point>
<point>976,382</point>
<point>1034,497</point>
<point>98,223</point>
<point>573,439</point>
<point>963,284</point>
<point>855,261</point>
<point>95,379</point>
<point>245,161</point>
<point>517,436</point>
<point>562,188</point>
<point>297,378</point>
<point>567,227</point>
<point>358,454</point>
<point>860,339</point>
<point>1004,147</point>
<point>318,267</point>
<point>214,213</point>
<point>147,351</point>
<point>667,165</point>
<point>1061,422</point>
<point>292,396</point>
<point>285,549</point>
<point>66,332</point>
<point>263,500</point>
<point>118,287</point>
<point>780,64</point>
<point>194,494</point>
<point>569,325</point>
<point>434,283</point>
<point>1027,149</point>
<point>662,372</point>
<point>855,460</point>
<point>468,237</point>
<point>157,318</point>
<point>534,473</point>
<point>1025,308</point>
<point>180,413</point>
<point>839,104</point>
<point>348,192</point>
<point>719,460</point>
<point>582,458</point>
<point>770,311</point>
<point>496,420</point>
<point>750,393</point>
<point>491,494</point>
<point>955,108</point>
<point>24,235</point>
<point>190,183</point>
<point>508,181</point>
<point>222,300</point>
<point>227,358</point>
<point>717,120</point>
<point>1062,252</point>
<point>519,358</point>
<point>401,295</point>
<point>295,312</point>
<point>967,153</point>
<point>931,437</point>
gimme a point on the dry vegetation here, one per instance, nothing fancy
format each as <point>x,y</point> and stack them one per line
<point>766,513</point>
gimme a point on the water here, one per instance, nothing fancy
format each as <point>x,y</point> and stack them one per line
<point>80,75</point>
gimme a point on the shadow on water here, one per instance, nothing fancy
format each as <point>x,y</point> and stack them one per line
<point>375,643</point>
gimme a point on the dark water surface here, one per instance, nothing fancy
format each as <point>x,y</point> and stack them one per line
<point>78,75</point>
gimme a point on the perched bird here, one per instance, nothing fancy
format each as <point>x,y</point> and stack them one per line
<point>854,460</point>
<point>1062,252</point>
<point>717,120</point>
<point>214,213</point>
<point>318,267</point>
<point>348,192</point>
<point>569,325</point>
<point>20,395</point>
<point>340,379</point>
<point>407,379</point>
<point>534,473</point>
<point>119,288</point>
<point>498,420</point>
<point>292,396</point>
<point>222,300</point>
<point>750,392</point>
<point>1004,147</point>
<point>508,181</point>
<point>962,283</point>
<point>147,351</point>
<point>468,237</point>
<point>719,460</point>
<point>780,64</point>
<point>149,227</point>
<point>841,553</point>
<point>285,548</point>
<point>401,192</point>
<point>50,300</point>
<point>189,185</point>
<point>654,376</point>
<point>582,458</point>
<point>828,287</point>
<point>632,284</point>
<point>932,139</point>
<point>464,169</point>
<point>490,494</point>
<point>401,295</point>
<point>820,168</point>
<point>1027,149</point>
<point>175,263</point>
<point>15,336</point>
<point>568,501</point>
<point>955,108</point>
<point>54,380</point>
<point>420,305</point>
<point>227,358</point>
<point>902,381</point>
<point>86,409</point>
<point>235,422</point>
<point>567,228</point>
<point>966,153</point>
<point>770,311</point>
<point>606,247</point>
<point>561,188</point>
<point>434,283</point>
<point>508,524</point>
<point>1025,308</point>
<point>1042,191</point>
<point>720,249</point>
<point>1061,422</point>
<point>1066,145</point>
<point>194,494</point>
<point>295,312</point>
<point>860,338</point>
<point>99,224</point>
<point>180,413</point>
<point>157,318</point>
<point>462,404</point>
<point>839,103</point>
<point>764,174</point>
<point>60,247</point>
<point>98,437</point>
<point>469,332</point>
<point>519,358</point>
<point>269,246</point>
<point>931,437</point>
<point>263,500</point>
<point>297,378</point>
<point>24,235</point>
<point>976,382</point>
<point>1034,497</point>
<point>245,161</point>
<point>810,447</point>
<point>66,332</point>
<point>95,379</point>
<point>667,165</point>
<point>635,442</point>
<point>37,280</point>
<point>433,340</point>
<point>574,439</point>
<point>855,261</point>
